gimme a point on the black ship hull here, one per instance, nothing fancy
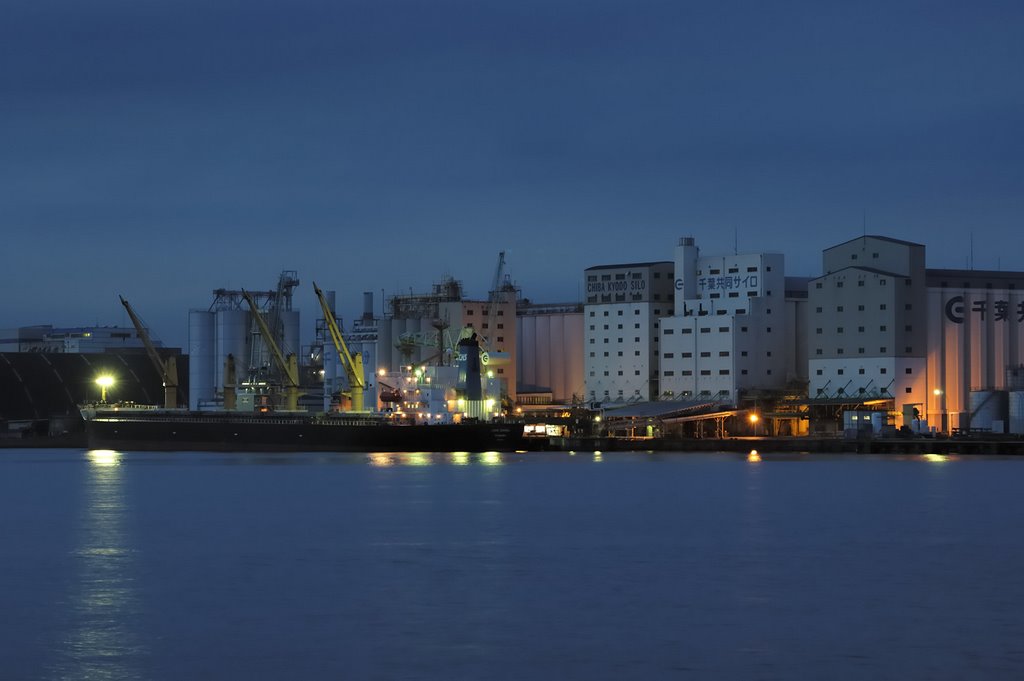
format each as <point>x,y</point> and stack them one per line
<point>276,433</point>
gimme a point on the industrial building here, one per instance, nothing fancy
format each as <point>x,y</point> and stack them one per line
<point>84,339</point>
<point>932,349</point>
<point>621,318</point>
<point>227,328</point>
<point>700,328</point>
<point>733,329</point>
<point>549,363</point>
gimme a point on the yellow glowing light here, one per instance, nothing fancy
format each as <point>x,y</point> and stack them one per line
<point>490,374</point>
<point>490,458</point>
<point>460,458</point>
<point>381,372</point>
<point>104,381</point>
<point>598,457</point>
<point>754,418</point>
<point>597,419</point>
<point>937,392</point>
<point>103,457</point>
<point>489,404</point>
<point>753,456</point>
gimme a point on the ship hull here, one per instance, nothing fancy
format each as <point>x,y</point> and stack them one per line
<point>201,432</point>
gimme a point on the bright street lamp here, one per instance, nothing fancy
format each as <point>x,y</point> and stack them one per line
<point>104,382</point>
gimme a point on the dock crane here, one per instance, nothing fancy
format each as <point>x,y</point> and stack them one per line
<point>167,369</point>
<point>492,306</point>
<point>289,365</point>
<point>353,363</point>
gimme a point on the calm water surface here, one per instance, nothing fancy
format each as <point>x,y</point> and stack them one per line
<point>504,566</point>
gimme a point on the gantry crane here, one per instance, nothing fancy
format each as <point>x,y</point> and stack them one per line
<point>167,369</point>
<point>353,364</point>
<point>289,365</point>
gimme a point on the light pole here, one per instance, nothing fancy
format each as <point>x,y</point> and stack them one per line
<point>754,418</point>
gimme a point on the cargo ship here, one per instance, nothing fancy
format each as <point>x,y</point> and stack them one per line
<point>131,427</point>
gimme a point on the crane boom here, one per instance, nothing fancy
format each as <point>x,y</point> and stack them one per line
<point>168,370</point>
<point>353,364</point>
<point>492,308</point>
<point>289,365</point>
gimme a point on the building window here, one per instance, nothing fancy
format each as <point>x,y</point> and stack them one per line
<point>686,355</point>
<point>882,370</point>
<point>909,349</point>
<point>839,284</point>
<point>686,372</point>
<point>839,329</point>
<point>743,372</point>
<point>860,351</point>
<point>909,370</point>
<point>705,354</point>
<point>883,349</point>
<point>669,355</point>
<point>909,389</point>
<point>723,353</point>
<point>705,372</point>
<point>686,331</point>
<point>883,327</point>
<point>818,285</point>
<point>743,353</point>
<point>817,309</point>
<point>840,372</point>
<point>860,371</point>
<point>705,329</point>
<point>817,351</point>
<point>860,282</point>
<point>669,373</point>
<point>882,306</point>
<point>668,332</point>
<point>860,329</point>
<point>819,372</point>
<point>723,372</point>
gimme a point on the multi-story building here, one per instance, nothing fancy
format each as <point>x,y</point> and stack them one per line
<point>867,323</point>
<point>621,320</point>
<point>732,328</point>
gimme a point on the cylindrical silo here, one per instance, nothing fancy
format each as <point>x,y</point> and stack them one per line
<point>987,407</point>
<point>232,336</point>
<point>201,370</point>
<point>1016,399</point>
<point>290,325</point>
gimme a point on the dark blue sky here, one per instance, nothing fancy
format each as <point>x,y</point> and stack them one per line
<point>163,149</point>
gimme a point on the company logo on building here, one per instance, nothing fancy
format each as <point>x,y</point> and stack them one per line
<point>956,310</point>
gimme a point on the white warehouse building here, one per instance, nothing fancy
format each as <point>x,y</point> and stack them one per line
<point>621,316</point>
<point>732,329</point>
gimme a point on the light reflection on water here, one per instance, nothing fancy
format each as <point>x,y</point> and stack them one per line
<point>101,642</point>
<point>416,459</point>
<point>495,565</point>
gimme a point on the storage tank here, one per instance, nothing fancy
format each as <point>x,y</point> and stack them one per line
<point>290,325</point>
<point>232,338</point>
<point>988,407</point>
<point>201,365</point>
<point>1016,399</point>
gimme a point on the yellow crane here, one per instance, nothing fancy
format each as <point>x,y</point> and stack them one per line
<point>353,364</point>
<point>289,365</point>
<point>167,369</point>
